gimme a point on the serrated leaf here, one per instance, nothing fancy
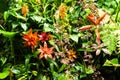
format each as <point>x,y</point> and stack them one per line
<point>110,42</point>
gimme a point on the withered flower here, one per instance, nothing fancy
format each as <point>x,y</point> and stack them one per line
<point>31,39</point>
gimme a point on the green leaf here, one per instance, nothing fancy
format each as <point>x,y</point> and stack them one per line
<point>89,70</point>
<point>48,28</point>
<point>74,37</point>
<point>23,77</point>
<point>34,73</point>
<point>15,71</point>
<point>67,1</point>
<point>36,18</point>
<point>15,14</point>
<point>62,68</point>
<point>4,74</point>
<point>53,44</point>
<point>6,15</point>
<point>24,26</point>
<point>14,24</point>
<point>8,34</point>
<point>113,62</point>
<point>3,59</point>
<point>110,41</point>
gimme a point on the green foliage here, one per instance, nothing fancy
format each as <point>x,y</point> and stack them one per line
<point>43,39</point>
<point>113,62</point>
<point>4,74</point>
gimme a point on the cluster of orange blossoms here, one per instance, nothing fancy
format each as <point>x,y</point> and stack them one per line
<point>31,39</point>
<point>25,10</point>
<point>62,11</point>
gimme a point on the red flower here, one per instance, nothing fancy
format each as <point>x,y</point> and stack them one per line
<point>31,39</point>
<point>45,51</point>
<point>44,36</point>
<point>91,18</point>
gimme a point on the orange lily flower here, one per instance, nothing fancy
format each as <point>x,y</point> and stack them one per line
<point>87,27</point>
<point>92,18</point>
<point>62,11</point>
<point>24,10</point>
<point>31,39</point>
<point>71,54</point>
<point>45,51</point>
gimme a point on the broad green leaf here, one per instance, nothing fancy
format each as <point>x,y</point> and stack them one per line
<point>15,71</point>
<point>15,24</point>
<point>4,74</point>
<point>36,18</point>
<point>89,70</point>
<point>48,28</point>
<point>8,34</point>
<point>113,62</point>
<point>74,37</point>
<point>24,26</point>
